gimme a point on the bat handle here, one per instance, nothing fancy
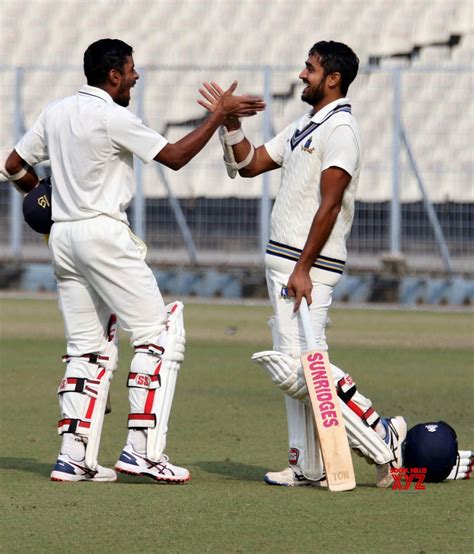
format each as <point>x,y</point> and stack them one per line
<point>306,324</point>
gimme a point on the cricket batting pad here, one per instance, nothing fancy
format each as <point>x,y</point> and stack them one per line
<point>287,374</point>
<point>83,393</point>
<point>152,381</point>
<point>229,159</point>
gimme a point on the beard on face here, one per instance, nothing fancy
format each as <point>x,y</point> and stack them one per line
<point>123,99</point>
<point>313,96</point>
<point>123,96</point>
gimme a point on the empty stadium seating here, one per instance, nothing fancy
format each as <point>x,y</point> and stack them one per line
<point>181,43</point>
<point>202,35</point>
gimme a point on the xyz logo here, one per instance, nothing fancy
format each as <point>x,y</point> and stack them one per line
<point>404,478</point>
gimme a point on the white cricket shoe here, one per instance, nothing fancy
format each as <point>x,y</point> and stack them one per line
<point>292,476</point>
<point>396,433</point>
<point>66,469</point>
<point>132,463</point>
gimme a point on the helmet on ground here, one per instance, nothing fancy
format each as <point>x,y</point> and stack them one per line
<point>433,446</point>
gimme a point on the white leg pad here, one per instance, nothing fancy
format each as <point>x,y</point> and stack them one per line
<point>109,365</point>
<point>174,341</point>
<point>152,382</point>
<point>286,372</point>
<point>78,392</point>
<point>363,438</point>
<point>304,450</point>
<point>83,394</point>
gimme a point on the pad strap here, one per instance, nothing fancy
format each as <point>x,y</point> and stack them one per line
<point>146,419</point>
<point>17,176</point>
<point>233,137</point>
<point>346,388</point>
<point>91,358</point>
<point>248,158</point>
<point>81,385</point>
<point>153,349</point>
<point>73,426</point>
<point>143,381</point>
<point>141,421</point>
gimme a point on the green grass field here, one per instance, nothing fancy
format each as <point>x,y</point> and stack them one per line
<point>228,427</point>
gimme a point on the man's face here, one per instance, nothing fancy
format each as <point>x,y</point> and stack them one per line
<point>128,79</point>
<point>315,80</point>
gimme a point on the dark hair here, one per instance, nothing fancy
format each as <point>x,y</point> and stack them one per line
<point>102,56</point>
<point>337,57</point>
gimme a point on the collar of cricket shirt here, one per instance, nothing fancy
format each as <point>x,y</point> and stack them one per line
<point>307,126</point>
<point>87,90</point>
<point>341,104</point>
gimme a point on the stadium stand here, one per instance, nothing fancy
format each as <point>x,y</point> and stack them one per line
<point>181,43</point>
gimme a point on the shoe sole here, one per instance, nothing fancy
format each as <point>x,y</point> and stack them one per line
<point>59,480</point>
<point>167,481</point>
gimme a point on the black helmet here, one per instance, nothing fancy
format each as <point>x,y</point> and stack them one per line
<point>433,446</point>
<point>37,207</point>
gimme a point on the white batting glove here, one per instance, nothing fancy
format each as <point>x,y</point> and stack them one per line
<point>462,469</point>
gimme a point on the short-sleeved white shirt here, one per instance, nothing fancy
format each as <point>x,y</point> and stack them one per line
<point>315,142</point>
<point>90,141</point>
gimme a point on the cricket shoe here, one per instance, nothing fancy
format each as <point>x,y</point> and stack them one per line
<point>132,463</point>
<point>292,476</point>
<point>396,428</point>
<point>66,469</point>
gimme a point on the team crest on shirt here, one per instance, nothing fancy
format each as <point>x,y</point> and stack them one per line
<point>307,146</point>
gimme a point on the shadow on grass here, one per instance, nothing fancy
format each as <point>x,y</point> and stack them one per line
<point>237,471</point>
<point>27,464</point>
<point>233,470</point>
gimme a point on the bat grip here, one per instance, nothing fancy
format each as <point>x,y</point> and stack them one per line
<point>306,324</point>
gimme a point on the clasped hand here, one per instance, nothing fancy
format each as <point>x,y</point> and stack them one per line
<point>215,99</point>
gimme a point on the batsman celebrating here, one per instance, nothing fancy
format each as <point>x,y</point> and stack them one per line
<point>320,157</point>
<point>90,139</point>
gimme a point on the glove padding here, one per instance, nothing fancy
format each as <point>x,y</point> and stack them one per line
<point>229,159</point>
<point>462,469</point>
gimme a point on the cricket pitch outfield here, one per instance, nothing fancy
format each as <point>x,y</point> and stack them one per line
<point>228,427</point>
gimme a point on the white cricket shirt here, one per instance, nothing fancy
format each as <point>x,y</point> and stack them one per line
<point>90,141</point>
<point>308,146</point>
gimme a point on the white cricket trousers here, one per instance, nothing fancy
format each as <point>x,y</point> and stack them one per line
<point>288,337</point>
<point>288,327</point>
<point>99,267</point>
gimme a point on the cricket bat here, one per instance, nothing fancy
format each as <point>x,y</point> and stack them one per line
<point>327,413</point>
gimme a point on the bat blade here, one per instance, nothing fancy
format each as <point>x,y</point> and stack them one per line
<point>330,427</point>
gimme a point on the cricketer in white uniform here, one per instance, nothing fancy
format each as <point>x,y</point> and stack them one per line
<point>90,139</point>
<point>320,158</point>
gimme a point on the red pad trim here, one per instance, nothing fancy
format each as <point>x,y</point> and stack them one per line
<point>65,425</point>
<point>141,421</point>
<point>355,408</point>
<point>151,393</point>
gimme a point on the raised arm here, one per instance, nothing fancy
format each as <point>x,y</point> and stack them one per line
<point>239,153</point>
<point>180,153</point>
